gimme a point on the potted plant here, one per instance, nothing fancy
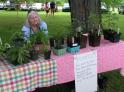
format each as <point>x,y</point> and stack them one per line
<point>36,40</point>
<point>59,48</point>
<point>52,39</point>
<point>18,52</point>
<point>40,42</point>
<point>81,36</point>
<point>115,36</point>
<point>46,46</point>
<point>95,32</point>
<point>111,31</point>
<point>94,38</point>
<point>73,42</point>
<point>47,53</point>
<point>72,39</point>
<point>35,49</point>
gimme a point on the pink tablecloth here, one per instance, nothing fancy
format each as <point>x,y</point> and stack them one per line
<point>110,57</point>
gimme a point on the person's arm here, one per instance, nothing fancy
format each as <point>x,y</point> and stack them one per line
<point>26,32</point>
<point>43,26</point>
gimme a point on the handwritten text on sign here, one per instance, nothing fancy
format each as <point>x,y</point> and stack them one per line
<point>85,67</point>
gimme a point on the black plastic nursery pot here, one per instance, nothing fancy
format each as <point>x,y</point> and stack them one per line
<point>73,41</point>
<point>83,41</point>
<point>94,40</point>
<point>33,55</point>
<point>106,33</point>
<point>52,42</point>
<point>115,37</point>
<point>47,54</point>
<point>111,35</point>
<point>15,63</point>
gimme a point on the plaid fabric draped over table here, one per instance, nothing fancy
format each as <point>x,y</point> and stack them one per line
<point>27,77</point>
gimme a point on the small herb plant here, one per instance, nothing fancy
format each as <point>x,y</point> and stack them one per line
<point>59,39</point>
<point>3,49</point>
<point>94,22</point>
<point>18,53</point>
<point>110,21</point>
<point>79,26</point>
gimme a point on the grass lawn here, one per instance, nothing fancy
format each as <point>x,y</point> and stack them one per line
<point>10,23</point>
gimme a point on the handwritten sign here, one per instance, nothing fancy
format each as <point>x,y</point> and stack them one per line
<point>85,68</point>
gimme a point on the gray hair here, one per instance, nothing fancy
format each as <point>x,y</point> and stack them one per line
<point>28,17</point>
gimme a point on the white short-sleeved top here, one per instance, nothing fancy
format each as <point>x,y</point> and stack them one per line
<point>27,30</point>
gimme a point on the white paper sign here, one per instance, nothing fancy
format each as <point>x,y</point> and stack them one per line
<point>85,68</point>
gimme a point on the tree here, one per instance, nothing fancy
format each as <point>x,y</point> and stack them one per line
<point>82,9</point>
<point>112,3</point>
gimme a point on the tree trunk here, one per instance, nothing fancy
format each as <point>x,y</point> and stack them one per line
<point>81,10</point>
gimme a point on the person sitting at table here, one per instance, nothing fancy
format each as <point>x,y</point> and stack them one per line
<point>33,24</point>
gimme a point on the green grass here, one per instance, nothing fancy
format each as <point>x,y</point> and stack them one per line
<point>120,23</point>
<point>11,23</point>
<point>115,82</point>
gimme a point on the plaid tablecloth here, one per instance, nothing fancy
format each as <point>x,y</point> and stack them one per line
<point>27,77</point>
